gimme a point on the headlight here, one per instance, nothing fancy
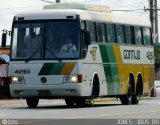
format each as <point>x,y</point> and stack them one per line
<point>70,78</point>
<point>73,78</point>
<point>17,79</point>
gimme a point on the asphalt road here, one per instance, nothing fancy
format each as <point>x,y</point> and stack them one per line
<point>50,112</point>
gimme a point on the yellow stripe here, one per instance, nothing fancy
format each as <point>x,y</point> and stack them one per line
<point>67,69</point>
<point>117,54</point>
<point>120,68</point>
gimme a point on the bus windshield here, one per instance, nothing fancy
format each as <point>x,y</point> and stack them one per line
<point>45,40</point>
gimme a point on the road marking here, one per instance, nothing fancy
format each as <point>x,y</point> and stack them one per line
<point>114,114</point>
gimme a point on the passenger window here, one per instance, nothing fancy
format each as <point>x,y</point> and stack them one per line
<point>91,29</point>
<point>132,35</point>
<point>147,40</point>
<point>120,34</point>
<point>101,33</point>
<point>138,35</point>
<point>110,30</point>
<point>128,35</point>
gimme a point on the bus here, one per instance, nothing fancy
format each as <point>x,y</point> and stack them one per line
<point>113,56</point>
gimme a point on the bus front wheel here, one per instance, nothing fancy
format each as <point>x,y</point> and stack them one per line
<point>70,102</point>
<point>32,102</point>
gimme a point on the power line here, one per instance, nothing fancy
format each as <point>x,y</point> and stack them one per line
<point>47,1</point>
<point>129,10</point>
<point>56,1</point>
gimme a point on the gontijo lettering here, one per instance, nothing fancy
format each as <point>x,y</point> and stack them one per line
<point>131,54</point>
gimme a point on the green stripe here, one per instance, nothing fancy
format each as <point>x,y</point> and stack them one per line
<point>51,69</point>
<point>110,69</point>
<point>107,54</point>
<point>45,70</point>
<point>56,69</point>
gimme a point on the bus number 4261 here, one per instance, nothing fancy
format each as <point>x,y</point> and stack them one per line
<point>22,71</point>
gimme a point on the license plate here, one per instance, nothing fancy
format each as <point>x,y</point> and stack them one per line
<point>44,93</point>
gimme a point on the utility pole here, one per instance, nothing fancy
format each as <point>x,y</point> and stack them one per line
<point>58,1</point>
<point>154,18</point>
<point>156,22</point>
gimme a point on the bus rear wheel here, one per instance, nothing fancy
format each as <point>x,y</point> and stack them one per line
<point>136,97</point>
<point>127,99</point>
<point>32,102</point>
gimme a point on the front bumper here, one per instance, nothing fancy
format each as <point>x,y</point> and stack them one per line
<point>47,91</point>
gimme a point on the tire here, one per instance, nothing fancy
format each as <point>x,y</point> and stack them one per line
<point>70,102</point>
<point>32,102</point>
<point>136,97</point>
<point>90,101</point>
<point>127,99</point>
<point>80,102</point>
<point>75,102</point>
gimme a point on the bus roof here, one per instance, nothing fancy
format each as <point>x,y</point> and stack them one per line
<point>79,6</point>
<point>85,12</point>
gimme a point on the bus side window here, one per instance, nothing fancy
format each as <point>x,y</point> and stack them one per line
<point>147,36</point>
<point>128,34</point>
<point>110,30</point>
<point>101,33</point>
<point>132,35</point>
<point>138,35</point>
<point>91,28</point>
<point>120,34</point>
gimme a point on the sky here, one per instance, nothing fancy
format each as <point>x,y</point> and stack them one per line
<point>8,8</point>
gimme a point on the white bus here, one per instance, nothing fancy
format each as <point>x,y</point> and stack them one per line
<point>111,56</point>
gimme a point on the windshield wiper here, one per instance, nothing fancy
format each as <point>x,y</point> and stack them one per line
<point>34,53</point>
<point>53,54</point>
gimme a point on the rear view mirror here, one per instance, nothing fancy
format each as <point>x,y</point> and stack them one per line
<point>4,39</point>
